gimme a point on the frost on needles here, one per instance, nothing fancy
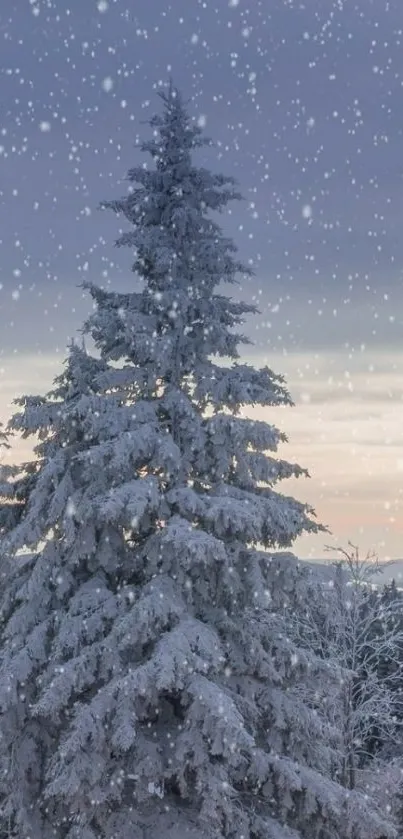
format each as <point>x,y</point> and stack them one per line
<point>147,685</point>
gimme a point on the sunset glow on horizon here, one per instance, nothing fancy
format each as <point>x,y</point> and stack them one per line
<point>348,433</point>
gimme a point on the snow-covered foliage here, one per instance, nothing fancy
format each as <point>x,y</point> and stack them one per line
<point>6,489</point>
<point>350,625</point>
<point>14,483</point>
<point>148,687</point>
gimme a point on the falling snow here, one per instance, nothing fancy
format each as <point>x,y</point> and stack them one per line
<point>303,104</point>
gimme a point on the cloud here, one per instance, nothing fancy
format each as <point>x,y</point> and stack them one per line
<point>350,440</point>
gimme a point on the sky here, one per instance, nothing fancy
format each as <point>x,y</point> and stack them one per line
<point>305,103</point>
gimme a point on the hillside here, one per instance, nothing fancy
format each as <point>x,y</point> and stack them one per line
<point>393,570</point>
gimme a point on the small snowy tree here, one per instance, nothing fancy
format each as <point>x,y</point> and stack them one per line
<point>5,487</point>
<point>352,626</point>
<point>145,680</point>
<point>13,485</point>
<point>391,669</point>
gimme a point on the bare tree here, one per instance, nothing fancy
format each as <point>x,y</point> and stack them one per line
<point>352,628</point>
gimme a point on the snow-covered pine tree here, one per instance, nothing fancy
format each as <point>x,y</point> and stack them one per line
<point>14,485</point>
<point>144,676</point>
<point>6,489</point>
